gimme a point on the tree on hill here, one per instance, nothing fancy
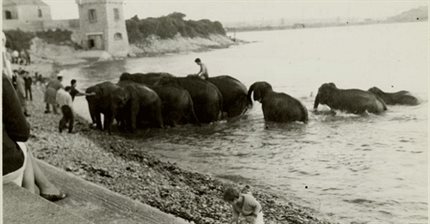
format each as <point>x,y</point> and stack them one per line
<point>169,26</point>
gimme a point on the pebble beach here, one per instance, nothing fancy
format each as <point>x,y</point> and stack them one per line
<point>122,165</point>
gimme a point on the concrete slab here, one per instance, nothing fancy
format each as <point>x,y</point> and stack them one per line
<point>21,206</point>
<point>100,205</point>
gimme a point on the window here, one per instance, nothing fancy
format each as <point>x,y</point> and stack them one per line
<point>116,13</point>
<point>39,13</point>
<point>7,14</point>
<point>92,17</point>
<point>117,36</point>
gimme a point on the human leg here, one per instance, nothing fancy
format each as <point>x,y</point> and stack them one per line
<point>63,120</point>
<point>28,178</point>
<point>31,94</point>
<point>71,121</point>
<point>54,108</point>
<point>45,186</point>
<point>47,110</point>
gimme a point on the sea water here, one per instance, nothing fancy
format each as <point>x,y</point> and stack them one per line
<point>345,168</point>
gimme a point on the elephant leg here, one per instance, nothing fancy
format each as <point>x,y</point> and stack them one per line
<point>192,117</point>
<point>134,111</point>
<point>92,110</point>
<point>98,120</point>
<point>156,114</point>
<point>108,122</point>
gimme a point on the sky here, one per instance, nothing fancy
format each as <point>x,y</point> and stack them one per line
<point>229,11</point>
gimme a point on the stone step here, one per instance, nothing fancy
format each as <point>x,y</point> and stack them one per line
<point>100,205</point>
<point>86,203</point>
<point>22,207</point>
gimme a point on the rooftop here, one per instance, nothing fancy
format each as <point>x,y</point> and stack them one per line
<point>24,2</point>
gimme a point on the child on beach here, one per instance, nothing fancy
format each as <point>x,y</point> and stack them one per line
<point>245,205</point>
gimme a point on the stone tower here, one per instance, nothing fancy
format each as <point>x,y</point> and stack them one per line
<point>102,26</point>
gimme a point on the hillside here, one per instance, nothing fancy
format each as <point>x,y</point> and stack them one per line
<point>417,14</point>
<point>166,27</point>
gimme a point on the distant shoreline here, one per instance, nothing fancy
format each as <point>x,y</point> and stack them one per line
<point>300,26</point>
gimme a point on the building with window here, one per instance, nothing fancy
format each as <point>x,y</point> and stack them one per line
<point>25,14</point>
<point>102,26</point>
<point>101,23</point>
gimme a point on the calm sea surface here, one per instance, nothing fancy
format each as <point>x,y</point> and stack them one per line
<point>347,168</point>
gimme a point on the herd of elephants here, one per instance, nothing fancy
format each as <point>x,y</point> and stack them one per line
<point>162,99</point>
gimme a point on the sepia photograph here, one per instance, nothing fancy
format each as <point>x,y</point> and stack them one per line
<point>215,111</point>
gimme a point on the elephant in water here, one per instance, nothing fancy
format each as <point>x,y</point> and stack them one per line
<point>100,103</point>
<point>234,93</point>
<point>134,102</point>
<point>277,107</point>
<point>207,99</point>
<point>177,104</point>
<point>148,79</point>
<point>401,97</point>
<point>349,100</point>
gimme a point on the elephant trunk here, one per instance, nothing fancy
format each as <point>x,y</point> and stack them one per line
<point>251,89</point>
<point>317,101</point>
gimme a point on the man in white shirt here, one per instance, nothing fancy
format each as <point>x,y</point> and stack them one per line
<point>64,100</point>
<point>203,73</point>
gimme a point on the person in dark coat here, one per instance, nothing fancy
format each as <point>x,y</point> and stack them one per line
<point>73,91</point>
<point>28,82</point>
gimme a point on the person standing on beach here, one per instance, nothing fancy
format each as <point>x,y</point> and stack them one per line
<point>51,92</point>
<point>245,205</point>
<point>203,73</point>
<point>20,88</point>
<point>28,82</point>
<point>74,92</point>
<point>64,99</point>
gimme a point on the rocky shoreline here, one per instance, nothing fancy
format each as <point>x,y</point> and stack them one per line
<point>123,166</point>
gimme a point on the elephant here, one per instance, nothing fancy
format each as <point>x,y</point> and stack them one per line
<point>234,93</point>
<point>206,97</point>
<point>100,103</point>
<point>148,79</point>
<point>133,102</point>
<point>277,107</point>
<point>354,101</point>
<point>177,104</point>
<point>401,97</point>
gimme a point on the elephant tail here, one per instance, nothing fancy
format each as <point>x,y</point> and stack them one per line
<point>304,110</point>
<point>251,89</point>
<point>192,112</point>
<point>245,103</point>
<point>220,103</point>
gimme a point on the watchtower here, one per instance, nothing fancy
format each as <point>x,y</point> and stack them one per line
<point>102,26</point>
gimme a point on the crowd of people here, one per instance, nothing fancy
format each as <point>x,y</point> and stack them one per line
<point>22,57</point>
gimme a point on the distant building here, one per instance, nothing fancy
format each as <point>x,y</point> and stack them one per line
<point>25,14</point>
<point>102,26</point>
<point>101,23</point>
